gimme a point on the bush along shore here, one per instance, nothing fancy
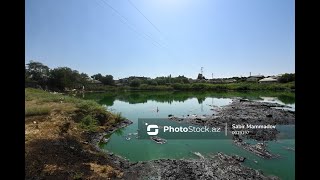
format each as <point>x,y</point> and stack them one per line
<point>61,142</point>
<point>240,86</point>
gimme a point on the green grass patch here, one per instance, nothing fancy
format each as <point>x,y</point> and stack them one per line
<point>37,110</point>
<point>90,112</point>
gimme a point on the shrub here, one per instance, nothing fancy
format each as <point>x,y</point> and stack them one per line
<point>118,118</point>
<point>287,78</point>
<point>135,83</point>
<point>198,86</point>
<point>144,86</point>
<point>179,86</point>
<point>89,123</point>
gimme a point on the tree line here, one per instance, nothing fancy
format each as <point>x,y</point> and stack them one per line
<point>60,78</point>
<point>63,78</point>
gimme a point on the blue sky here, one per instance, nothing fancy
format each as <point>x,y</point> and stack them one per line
<point>226,37</point>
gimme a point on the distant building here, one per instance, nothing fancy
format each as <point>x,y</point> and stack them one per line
<point>222,80</point>
<point>276,76</point>
<point>215,81</point>
<point>255,78</point>
<point>230,80</point>
<point>95,81</point>
<point>268,80</point>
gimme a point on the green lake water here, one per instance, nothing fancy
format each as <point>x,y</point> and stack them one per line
<point>134,105</point>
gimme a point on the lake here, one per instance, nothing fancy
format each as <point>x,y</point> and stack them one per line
<point>134,105</point>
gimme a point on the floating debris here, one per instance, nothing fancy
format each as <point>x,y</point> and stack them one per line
<point>289,148</point>
<point>158,140</point>
<point>259,149</point>
<point>104,140</point>
<point>198,154</point>
<point>128,138</point>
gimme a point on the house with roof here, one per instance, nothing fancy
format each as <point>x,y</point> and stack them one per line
<point>255,78</point>
<point>268,80</point>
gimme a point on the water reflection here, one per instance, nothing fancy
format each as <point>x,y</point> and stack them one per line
<point>108,98</point>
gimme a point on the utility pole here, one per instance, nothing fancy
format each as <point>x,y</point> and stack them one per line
<point>202,70</point>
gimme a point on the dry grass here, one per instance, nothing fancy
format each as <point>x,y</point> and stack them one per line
<point>105,170</point>
<point>54,147</point>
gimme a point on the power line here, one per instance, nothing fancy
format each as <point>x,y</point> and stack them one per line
<point>142,34</point>
<point>125,21</point>
<point>132,4</point>
<point>144,16</point>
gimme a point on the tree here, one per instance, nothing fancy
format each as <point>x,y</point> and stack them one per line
<point>83,79</point>
<point>38,72</point>
<point>152,82</point>
<point>286,78</point>
<point>135,83</point>
<point>97,77</point>
<point>26,74</point>
<point>200,76</point>
<point>160,80</point>
<point>107,80</point>
<point>181,79</point>
<point>64,77</point>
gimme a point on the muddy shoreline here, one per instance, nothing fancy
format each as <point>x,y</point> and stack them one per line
<point>243,112</point>
<point>217,166</point>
